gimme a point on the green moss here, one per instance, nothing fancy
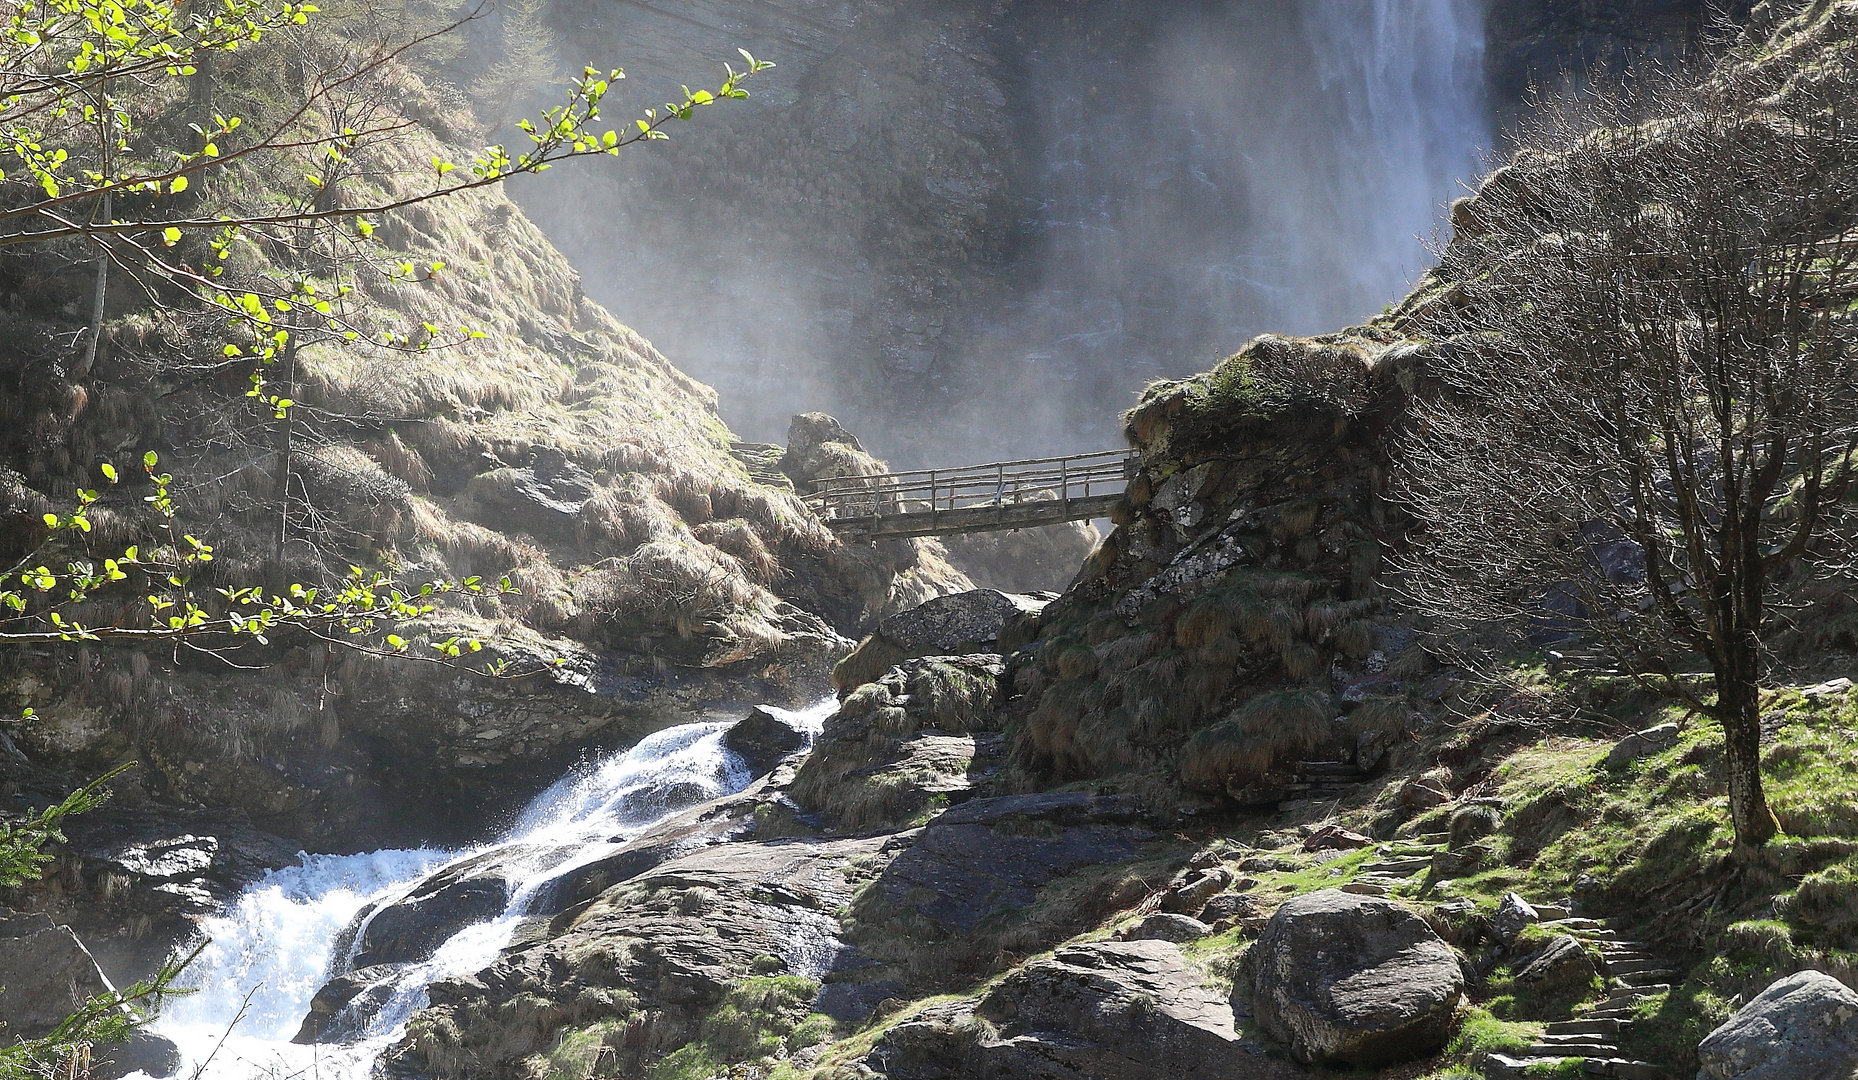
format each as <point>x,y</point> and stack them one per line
<point>577,1054</point>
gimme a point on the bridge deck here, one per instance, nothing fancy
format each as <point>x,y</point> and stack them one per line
<point>977,498</point>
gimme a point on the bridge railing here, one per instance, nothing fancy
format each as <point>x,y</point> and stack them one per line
<point>1000,483</point>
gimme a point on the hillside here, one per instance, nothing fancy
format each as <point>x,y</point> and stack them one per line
<point>1225,713</point>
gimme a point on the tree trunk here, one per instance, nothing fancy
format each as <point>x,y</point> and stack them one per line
<point>1738,701</point>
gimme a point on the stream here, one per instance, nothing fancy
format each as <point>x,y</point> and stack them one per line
<point>275,946</point>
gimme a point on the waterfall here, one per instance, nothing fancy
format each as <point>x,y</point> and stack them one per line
<point>1209,170</point>
<point>1404,80</point>
<point>275,945</point>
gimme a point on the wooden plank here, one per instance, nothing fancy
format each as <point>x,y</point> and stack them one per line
<point>971,519</point>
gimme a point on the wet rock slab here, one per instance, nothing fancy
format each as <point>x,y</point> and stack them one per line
<point>992,855</point>
<point>1109,1010</point>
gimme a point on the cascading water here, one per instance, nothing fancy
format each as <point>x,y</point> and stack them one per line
<point>275,946</point>
<point>1212,169</point>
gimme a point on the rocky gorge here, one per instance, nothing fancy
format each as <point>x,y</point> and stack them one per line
<point>783,805</point>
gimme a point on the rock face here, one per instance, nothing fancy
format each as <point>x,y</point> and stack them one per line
<point>1549,43</point>
<point>46,974</point>
<point>922,736</point>
<point>145,874</point>
<point>1803,1027</point>
<point>1345,979</point>
<point>1024,560</point>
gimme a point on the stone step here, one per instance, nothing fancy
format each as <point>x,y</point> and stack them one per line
<point>1409,851</point>
<point>1633,967</point>
<point>1623,1069</point>
<point>1652,979</point>
<point>1402,867</point>
<point>1582,1042</point>
<point>1563,1050</point>
<point>1509,1067</point>
<point>1583,1027</point>
<point>1621,1013</point>
<point>1328,768</point>
<point>1575,923</point>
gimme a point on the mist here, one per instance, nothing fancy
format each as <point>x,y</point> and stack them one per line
<point>976,230</point>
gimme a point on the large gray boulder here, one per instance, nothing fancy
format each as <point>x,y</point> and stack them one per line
<point>763,740</point>
<point>1803,1027</point>
<point>962,623</point>
<point>954,625</point>
<point>1347,979</point>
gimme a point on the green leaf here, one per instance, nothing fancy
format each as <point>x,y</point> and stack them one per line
<point>109,471</point>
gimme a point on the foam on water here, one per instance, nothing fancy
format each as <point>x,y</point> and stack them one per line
<point>273,948</point>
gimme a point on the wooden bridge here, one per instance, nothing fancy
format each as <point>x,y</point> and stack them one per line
<point>979,498</point>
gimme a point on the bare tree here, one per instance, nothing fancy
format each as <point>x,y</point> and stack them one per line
<point>1640,418</point>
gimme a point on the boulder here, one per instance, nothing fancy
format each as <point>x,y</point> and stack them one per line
<point>1803,1027</point>
<point>1641,744</point>
<point>951,625</point>
<point>1335,838</point>
<point>1565,962</point>
<point>1229,906</point>
<point>1513,914</point>
<point>143,1052</point>
<point>46,974</point>
<point>1419,795</point>
<point>1192,890</point>
<point>1346,979</point>
<point>762,740</point>
<point>962,623</point>
<point>1163,926</point>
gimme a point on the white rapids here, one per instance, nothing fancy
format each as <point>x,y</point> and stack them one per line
<point>273,948</point>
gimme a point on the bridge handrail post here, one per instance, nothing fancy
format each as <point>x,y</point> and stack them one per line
<point>1064,484</point>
